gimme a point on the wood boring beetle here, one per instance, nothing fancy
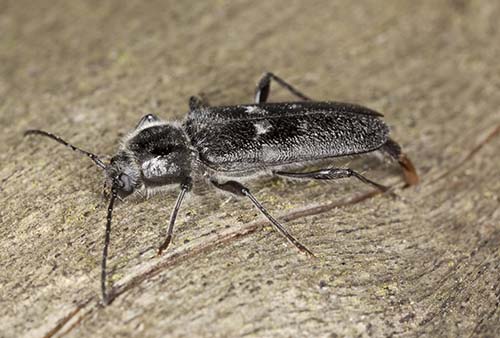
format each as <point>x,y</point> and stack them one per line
<point>221,145</point>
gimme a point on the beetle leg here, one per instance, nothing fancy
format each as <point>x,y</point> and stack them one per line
<point>264,87</point>
<point>238,189</point>
<point>332,174</point>
<point>185,187</point>
<point>394,150</point>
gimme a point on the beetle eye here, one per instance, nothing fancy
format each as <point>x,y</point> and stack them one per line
<point>125,183</point>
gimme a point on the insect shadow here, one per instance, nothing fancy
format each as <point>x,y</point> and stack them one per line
<point>224,145</point>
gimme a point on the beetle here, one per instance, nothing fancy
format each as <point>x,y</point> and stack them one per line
<point>223,145</point>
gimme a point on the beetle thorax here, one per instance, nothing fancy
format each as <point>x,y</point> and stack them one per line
<point>162,154</point>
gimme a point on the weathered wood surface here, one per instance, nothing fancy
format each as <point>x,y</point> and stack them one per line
<point>423,264</point>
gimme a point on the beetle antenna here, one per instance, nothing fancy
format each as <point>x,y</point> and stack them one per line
<point>56,138</point>
<point>106,245</point>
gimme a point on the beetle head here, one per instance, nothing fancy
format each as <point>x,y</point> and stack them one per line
<point>123,175</point>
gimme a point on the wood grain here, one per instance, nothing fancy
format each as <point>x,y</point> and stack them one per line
<point>423,263</point>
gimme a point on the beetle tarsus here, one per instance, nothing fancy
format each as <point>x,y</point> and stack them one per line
<point>409,171</point>
<point>393,149</point>
<point>164,245</point>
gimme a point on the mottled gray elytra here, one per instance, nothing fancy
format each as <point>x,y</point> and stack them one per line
<point>218,146</point>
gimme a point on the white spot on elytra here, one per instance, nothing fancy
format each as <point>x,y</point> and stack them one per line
<point>250,109</point>
<point>262,127</point>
